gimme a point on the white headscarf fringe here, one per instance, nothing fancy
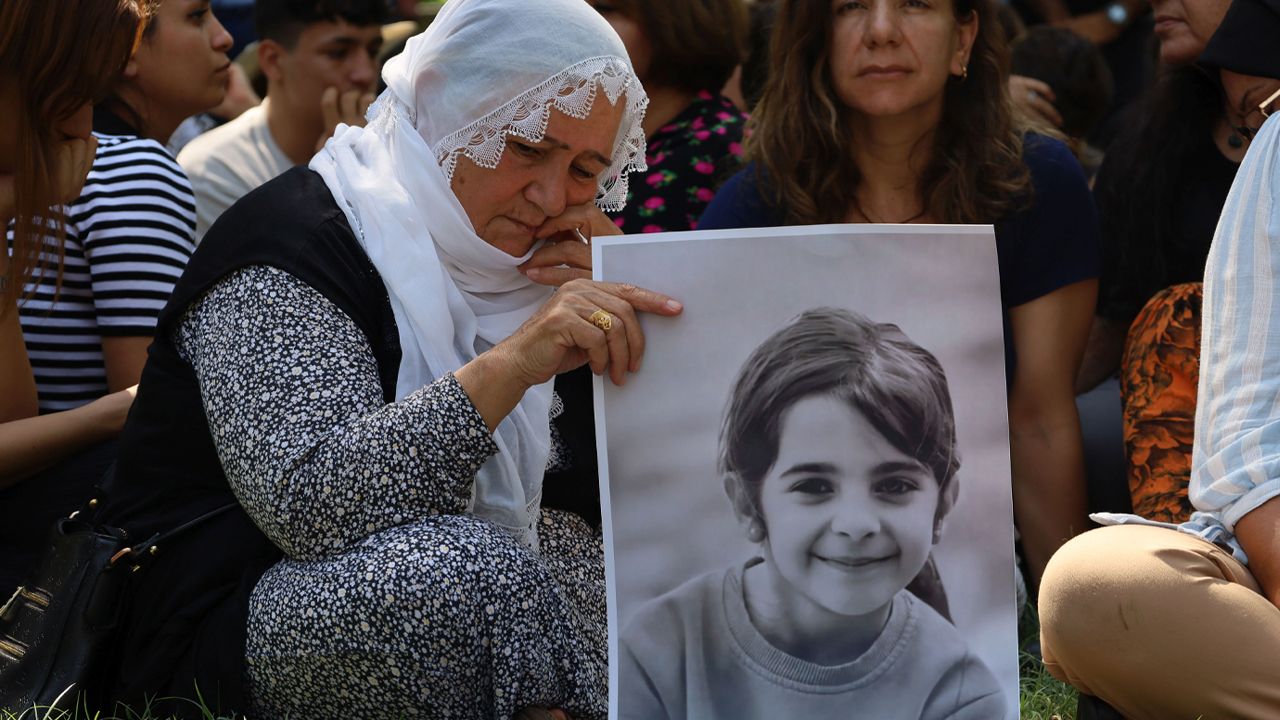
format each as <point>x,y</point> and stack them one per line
<point>483,70</point>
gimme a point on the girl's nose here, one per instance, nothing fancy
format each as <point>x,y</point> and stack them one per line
<point>855,519</point>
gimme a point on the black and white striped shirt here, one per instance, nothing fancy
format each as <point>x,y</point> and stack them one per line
<point>129,236</point>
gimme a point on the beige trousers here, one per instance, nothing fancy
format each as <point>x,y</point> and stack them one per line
<point>1161,625</point>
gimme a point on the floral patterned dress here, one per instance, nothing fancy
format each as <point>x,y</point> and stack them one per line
<point>688,159</point>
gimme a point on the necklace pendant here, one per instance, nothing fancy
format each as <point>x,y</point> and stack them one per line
<point>1235,141</point>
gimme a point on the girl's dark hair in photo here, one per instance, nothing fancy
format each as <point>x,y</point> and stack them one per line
<point>898,386</point>
<point>976,175</point>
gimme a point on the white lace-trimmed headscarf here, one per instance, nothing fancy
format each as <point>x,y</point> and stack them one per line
<point>483,70</point>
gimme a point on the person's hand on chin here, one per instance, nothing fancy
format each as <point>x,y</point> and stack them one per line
<point>566,256</point>
<point>1035,99</point>
<point>342,108</point>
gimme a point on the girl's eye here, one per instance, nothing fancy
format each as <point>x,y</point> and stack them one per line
<point>813,486</point>
<point>847,6</point>
<point>896,487</point>
<point>918,4</point>
<point>198,15</point>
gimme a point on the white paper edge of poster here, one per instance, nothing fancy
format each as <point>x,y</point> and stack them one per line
<point>598,273</point>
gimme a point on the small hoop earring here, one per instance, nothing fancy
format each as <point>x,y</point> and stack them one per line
<point>755,531</point>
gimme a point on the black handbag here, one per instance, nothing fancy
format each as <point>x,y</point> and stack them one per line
<point>56,629</point>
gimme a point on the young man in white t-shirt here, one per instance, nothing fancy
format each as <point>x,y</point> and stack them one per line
<point>320,61</point>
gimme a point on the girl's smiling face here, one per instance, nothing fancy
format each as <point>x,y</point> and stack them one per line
<point>849,517</point>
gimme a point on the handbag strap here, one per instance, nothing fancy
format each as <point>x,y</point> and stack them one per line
<point>141,555</point>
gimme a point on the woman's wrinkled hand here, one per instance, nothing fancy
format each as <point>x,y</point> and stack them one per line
<point>565,256</point>
<point>561,335</point>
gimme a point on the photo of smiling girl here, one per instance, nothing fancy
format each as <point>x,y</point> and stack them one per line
<point>838,454</point>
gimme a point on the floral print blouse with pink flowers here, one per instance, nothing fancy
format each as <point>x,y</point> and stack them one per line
<point>688,159</point>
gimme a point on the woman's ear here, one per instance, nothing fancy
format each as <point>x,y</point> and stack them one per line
<point>131,67</point>
<point>966,35</point>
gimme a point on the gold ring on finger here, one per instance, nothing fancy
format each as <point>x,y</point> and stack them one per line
<point>601,319</point>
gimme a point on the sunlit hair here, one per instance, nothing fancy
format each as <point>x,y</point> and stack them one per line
<point>898,386</point>
<point>803,146</point>
<point>114,102</point>
<point>695,44</point>
<point>59,55</point>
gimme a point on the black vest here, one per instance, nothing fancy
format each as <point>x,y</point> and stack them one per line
<point>187,620</point>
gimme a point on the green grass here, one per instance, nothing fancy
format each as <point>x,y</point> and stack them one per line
<point>121,713</point>
<point>1042,696</point>
<point>124,714</point>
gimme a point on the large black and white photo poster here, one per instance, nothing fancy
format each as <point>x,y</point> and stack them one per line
<point>806,487</point>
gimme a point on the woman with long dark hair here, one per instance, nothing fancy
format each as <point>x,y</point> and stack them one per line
<point>1178,146</point>
<point>56,59</point>
<point>882,111</point>
<point>99,282</point>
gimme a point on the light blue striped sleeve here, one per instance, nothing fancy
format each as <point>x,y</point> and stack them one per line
<point>1236,454</point>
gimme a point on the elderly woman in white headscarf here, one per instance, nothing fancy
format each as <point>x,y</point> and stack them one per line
<point>359,358</point>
